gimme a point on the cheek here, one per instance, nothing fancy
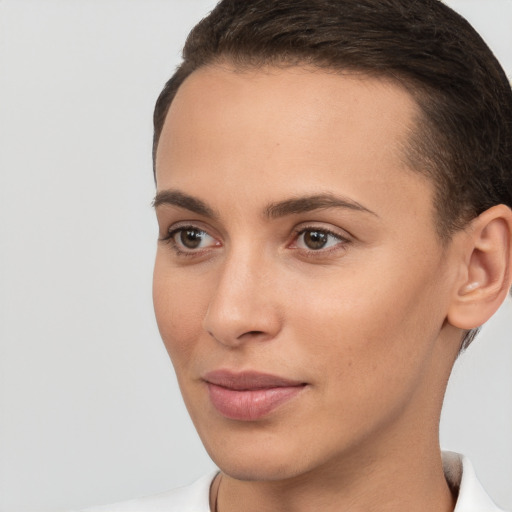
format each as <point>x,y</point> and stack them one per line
<point>367,357</point>
<point>180,305</point>
<point>372,327</point>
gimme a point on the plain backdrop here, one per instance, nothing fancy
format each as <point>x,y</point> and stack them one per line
<point>89,408</point>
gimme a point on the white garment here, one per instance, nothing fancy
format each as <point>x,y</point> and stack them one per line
<point>195,497</point>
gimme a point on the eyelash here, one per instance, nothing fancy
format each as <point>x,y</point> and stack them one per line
<point>340,245</point>
<point>169,239</point>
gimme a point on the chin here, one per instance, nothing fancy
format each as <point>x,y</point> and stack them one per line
<point>263,469</point>
<point>258,457</point>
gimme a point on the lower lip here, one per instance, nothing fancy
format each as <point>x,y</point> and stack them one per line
<point>250,405</point>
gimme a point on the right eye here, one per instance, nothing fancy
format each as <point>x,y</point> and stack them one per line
<point>190,239</point>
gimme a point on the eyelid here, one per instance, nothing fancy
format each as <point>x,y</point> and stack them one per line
<point>181,250</point>
<point>344,238</point>
<point>172,227</point>
<point>335,231</point>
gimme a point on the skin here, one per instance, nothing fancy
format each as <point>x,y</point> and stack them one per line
<point>363,321</point>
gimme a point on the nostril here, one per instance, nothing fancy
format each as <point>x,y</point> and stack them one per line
<point>252,335</point>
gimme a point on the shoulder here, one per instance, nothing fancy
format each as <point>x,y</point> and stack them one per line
<point>191,498</point>
<point>461,476</point>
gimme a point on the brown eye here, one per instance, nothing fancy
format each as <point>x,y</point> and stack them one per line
<point>315,239</point>
<point>191,238</point>
<point>312,239</point>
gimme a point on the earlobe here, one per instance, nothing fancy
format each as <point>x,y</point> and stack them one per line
<point>487,274</point>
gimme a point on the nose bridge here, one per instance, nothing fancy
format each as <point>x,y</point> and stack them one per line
<point>242,305</point>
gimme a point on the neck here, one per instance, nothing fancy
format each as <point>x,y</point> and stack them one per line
<point>409,479</point>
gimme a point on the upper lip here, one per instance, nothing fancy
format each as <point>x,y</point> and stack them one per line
<point>248,380</point>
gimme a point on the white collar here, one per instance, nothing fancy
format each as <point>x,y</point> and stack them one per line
<point>461,476</point>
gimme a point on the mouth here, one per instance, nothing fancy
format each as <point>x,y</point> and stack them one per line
<point>249,396</point>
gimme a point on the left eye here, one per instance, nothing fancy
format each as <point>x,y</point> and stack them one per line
<point>192,238</point>
<point>316,239</point>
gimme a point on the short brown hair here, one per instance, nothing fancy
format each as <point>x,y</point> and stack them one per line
<point>464,138</point>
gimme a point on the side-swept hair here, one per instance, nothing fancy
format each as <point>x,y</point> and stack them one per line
<point>463,140</point>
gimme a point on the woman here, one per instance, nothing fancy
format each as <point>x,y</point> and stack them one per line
<point>334,194</point>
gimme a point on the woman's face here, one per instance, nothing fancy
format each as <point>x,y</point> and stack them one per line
<point>300,286</point>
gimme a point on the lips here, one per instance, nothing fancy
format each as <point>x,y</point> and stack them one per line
<point>249,396</point>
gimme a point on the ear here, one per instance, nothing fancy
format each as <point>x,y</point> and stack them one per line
<point>486,270</point>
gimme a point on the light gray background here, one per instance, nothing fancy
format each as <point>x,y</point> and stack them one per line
<point>89,408</point>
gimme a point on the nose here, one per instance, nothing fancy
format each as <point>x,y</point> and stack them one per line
<point>244,305</point>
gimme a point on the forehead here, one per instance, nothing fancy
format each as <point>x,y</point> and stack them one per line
<point>294,128</point>
<point>300,99</point>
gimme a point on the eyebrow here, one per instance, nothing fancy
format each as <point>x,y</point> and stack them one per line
<point>314,202</point>
<point>182,200</point>
<point>275,210</point>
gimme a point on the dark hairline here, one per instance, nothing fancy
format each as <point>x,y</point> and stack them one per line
<point>462,141</point>
<point>413,156</point>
